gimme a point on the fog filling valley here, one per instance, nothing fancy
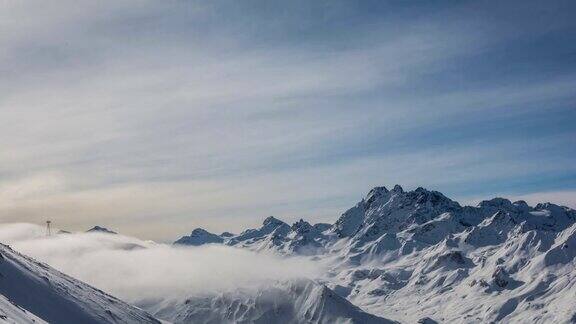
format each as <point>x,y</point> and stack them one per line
<point>139,271</point>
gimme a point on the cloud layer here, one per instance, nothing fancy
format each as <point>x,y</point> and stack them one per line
<point>140,271</point>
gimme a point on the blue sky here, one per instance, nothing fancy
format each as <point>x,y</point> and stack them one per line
<point>155,117</point>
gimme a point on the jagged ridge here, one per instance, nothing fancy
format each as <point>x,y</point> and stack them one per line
<point>426,250</point>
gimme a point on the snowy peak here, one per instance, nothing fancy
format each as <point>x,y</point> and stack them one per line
<point>545,216</point>
<point>375,194</point>
<point>279,302</point>
<point>397,189</point>
<point>270,227</point>
<point>198,237</point>
<point>272,233</point>
<point>499,204</point>
<point>226,234</point>
<point>305,238</point>
<point>302,227</point>
<point>432,198</point>
<point>521,205</point>
<point>100,229</point>
<point>272,222</point>
<point>393,211</point>
<point>388,219</point>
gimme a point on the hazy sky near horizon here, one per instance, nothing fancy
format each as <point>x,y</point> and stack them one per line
<point>156,117</point>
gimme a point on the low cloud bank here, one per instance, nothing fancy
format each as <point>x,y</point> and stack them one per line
<point>140,271</point>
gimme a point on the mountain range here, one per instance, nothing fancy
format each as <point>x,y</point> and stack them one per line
<point>420,256</point>
<point>395,257</point>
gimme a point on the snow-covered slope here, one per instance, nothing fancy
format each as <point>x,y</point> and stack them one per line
<point>35,288</point>
<point>411,255</point>
<point>13,314</point>
<point>280,302</point>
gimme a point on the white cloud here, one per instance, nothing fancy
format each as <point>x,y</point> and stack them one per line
<point>38,185</point>
<point>137,271</point>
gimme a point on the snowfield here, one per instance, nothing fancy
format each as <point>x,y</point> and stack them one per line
<point>13,314</point>
<point>396,256</point>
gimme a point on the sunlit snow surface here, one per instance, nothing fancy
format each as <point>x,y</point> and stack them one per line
<point>413,255</point>
<point>13,314</point>
<point>30,290</point>
<point>400,256</point>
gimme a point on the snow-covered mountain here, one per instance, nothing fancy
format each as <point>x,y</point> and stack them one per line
<point>418,255</point>
<point>100,229</point>
<point>301,301</point>
<point>199,237</point>
<point>32,292</point>
<point>405,256</point>
<point>11,313</point>
<point>301,238</point>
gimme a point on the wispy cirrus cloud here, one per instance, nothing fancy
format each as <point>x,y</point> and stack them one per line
<point>153,117</point>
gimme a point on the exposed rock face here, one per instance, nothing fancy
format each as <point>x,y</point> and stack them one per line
<point>500,277</point>
<point>226,234</point>
<point>199,236</point>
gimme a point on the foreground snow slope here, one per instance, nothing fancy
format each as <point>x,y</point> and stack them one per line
<point>54,297</point>
<point>409,255</point>
<point>13,314</point>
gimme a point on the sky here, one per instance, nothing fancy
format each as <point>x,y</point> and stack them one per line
<point>156,117</point>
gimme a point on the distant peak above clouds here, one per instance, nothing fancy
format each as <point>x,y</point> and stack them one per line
<point>199,236</point>
<point>100,229</point>
<point>406,255</point>
<point>387,211</point>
